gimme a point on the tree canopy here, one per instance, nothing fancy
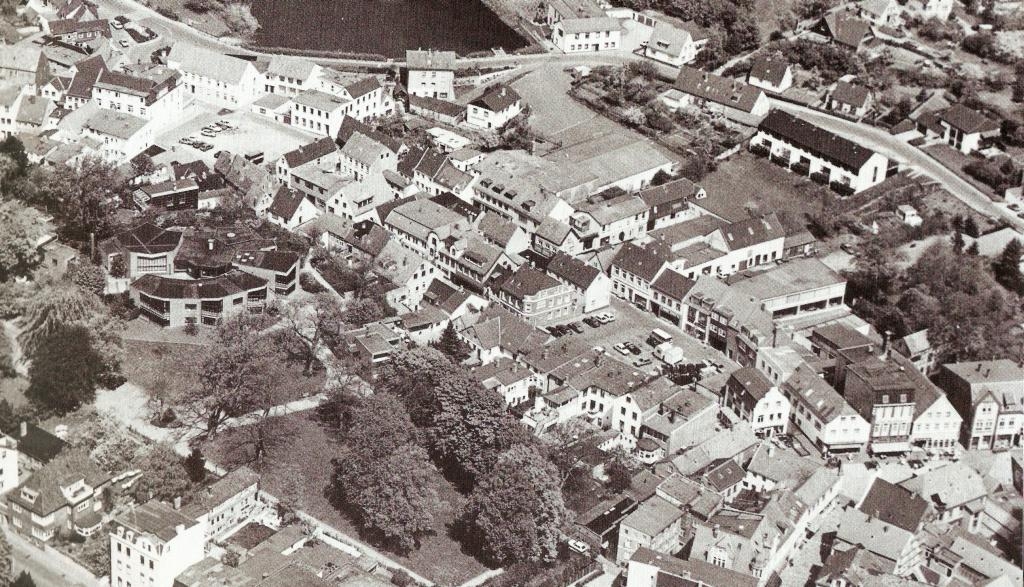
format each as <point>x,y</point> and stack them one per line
<point>65,370</point>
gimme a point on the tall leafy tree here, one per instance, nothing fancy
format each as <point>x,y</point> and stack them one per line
<point>53,307</point>
<point>450,343</point>
<point>18,235</point>
<point>85,199</point>
<point>383,476</point>
<point>24,580</point>
<point>237,376</point>
<point>13,147</point>
<point>65,370</point>
<point>515,511</point>
<point>1007,267</point>
<point>308,327</point>
<point>163,475</point>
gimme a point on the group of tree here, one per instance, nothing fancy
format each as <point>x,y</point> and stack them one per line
<point>431,423</point>
<point>968,305</point>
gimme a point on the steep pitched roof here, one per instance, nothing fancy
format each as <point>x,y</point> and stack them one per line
<point>673,284</point>
<point>527,281</point>
<point>37,443</point>
<point>850,93</point>
<point>666,38</point>
<point>645,263</point>
<point>718,89</point>
<point>573,270</point>
<point>769,69</point>
<point>310,152</point>
<point>894,505</point>
<point>497,98</point>
<point>286,203</point>
<point>847,30</point>
<point>817,140</point>
<point>967,120</point>
<point>67,468</point>
<point>210,64</point>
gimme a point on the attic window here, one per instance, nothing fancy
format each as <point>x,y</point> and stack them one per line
<point>29,495</point>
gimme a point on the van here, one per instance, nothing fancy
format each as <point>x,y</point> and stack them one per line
<point>669,353</point>
<point>659,336</point>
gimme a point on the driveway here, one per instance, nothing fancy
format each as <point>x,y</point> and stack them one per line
<point>906,154</point>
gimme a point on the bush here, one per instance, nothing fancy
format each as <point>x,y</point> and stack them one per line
<point>401,578</point>
<point>999,175</point>
<point>842,189</point>
<point>309,284</point>
<point>200,6</point>
<point>191,329</point>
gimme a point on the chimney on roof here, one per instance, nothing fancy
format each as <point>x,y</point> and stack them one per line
<point>885,343</point>
<point>23,429</point>
<point>177,502</point>
<point>715,530</point>
<point>209,244</point>
<point>771,449</point>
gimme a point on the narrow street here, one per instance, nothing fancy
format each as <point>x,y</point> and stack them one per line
<point>48,569</point>
<point>906,154</point>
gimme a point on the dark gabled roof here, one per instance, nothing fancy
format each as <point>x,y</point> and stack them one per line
<point>69,25</point>
<point>673,284</point>
<point>157,518</point>
<point>437,105</point>
<point>310,152</point>
<point>817,140</point>
<point>148,239</point>
<point>895,505</point>
<point>967,120</point>
<point>87,72</point>
<point>408,162</point>
<point>350,125</point>
<point>362,87</point>
<point>725,475</point>
<point>718,89</point>
<point>124,81</point>
<point>169,288</point>
<point>286,203</point>
<point>64,470</point>
<point>496,228</point>
<point>37,443</point>
<point>754,231</point>
<point>497,98</point>
<point>642,262</point>
<point>855,95</point>
<point>752,381</point>
<point>527,281</point>
<point>768,69</point>
<point>847,30</point>
<point>431,163</point>
<point>572,270</point>
<point>278,261</point>
<point>675,190</point>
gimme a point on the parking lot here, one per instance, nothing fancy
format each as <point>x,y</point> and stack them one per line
<point>251,132</point>
<point>632,325</point>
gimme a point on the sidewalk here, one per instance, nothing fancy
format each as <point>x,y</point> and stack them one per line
<point>48,567</point>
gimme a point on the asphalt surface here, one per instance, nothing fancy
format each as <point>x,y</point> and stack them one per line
<point>48,569</point>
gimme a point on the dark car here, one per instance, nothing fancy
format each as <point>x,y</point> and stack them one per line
<point>556,330</point>
<point>633,348</point>
<point>592,322</point>
<point>575,327</point>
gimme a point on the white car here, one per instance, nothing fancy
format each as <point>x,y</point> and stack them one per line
<point>579,546</point>
<point>622,348</point>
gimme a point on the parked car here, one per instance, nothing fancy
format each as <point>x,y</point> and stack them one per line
<point>117,25</point>
<point>848,248</point>
<point>187,140</point>
<point>642,362</point>
<point>606,317</point>
<point>592,321</point>
<point>123,43</point>
<point>622,348</point>
<point>575,327</point>
<point>633,348</point>
<point>578,546</point>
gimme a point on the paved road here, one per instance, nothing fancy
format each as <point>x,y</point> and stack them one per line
<point>48,569</point>
<point>905,153</point>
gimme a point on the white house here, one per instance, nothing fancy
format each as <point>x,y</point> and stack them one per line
<point>592,286</point>
<point>887,13</point>
<point>227,505</point>
<point>962,128</point>
<point>122,135</point>
<point>154,95</point>
<point>431,74</point>
<point>290,209</point>
<point>752,397</point>
<point>772,74</point>
<point>215,77</point>
<point>318,112</point>
<point>715,93</point>
<point>936,422</point>
<point>672,45</point>
<point>811,150</point>
<point>822,414</point>
<point>154,543</point>
<point>579,35</point>
<point>494,108</point>
<point>290,75</point>
<point>849,98</point>
<point>655,525</point>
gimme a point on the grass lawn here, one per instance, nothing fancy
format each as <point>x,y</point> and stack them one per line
<point>171,368</point>
<point>301,467</point>
<point>954,161</point>
<point>748,182</point>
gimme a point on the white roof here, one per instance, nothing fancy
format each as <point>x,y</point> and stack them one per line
<point>209,64</point>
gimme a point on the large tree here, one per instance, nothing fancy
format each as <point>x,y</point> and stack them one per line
<point>18,235</point>
<point>383,476</point>
<point>65,370</point>
<point>308,327</point>
<point>1007,267</point>
<point>164,475</point>
<point>85,199</point>
<point>238,374</point>
<point>52,307</point>
<point>5,560</point>
<point>515,511</point>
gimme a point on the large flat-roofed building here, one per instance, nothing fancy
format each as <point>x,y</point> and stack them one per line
<point>796,287</point>
<point>177,302</point>
<point>824,156</point>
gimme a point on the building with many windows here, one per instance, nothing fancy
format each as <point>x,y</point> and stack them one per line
<point>151,544</point>
<point>989,395</point>
<point>752,396</point>
<point>430,74</point>
<point>579,35</point>
<point>537,297</point>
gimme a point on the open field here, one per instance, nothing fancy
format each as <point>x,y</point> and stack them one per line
<point>306,456</point>
<point>746,182</point>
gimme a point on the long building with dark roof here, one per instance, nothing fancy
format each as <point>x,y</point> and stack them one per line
<point>826,157</point>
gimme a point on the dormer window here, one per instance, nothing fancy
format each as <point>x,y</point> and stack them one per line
<point>29,495</point>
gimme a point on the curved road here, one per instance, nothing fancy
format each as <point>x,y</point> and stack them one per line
<point>907,154</point>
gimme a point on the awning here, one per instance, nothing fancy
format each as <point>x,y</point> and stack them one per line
<point>890,447</point>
